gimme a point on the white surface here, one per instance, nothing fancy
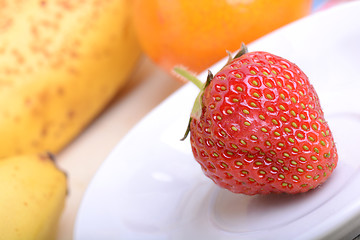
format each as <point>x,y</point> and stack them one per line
<point>150,187</point>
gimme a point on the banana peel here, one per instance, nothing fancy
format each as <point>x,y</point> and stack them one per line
<point>33,193</point>
<point>61,62</point>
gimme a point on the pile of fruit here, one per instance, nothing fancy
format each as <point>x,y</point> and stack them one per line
<point>61,62</point>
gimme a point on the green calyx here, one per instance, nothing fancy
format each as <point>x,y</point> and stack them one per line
<point>198,105</point>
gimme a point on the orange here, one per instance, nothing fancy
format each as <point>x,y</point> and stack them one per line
<point>197,33</point>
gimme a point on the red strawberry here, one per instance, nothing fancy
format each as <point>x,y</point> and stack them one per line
<point>257,127</point>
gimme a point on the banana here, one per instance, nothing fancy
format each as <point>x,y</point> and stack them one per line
<point>33,193</point>
<point>61,62</point>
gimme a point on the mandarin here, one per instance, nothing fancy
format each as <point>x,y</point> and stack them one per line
<point>196,33</point>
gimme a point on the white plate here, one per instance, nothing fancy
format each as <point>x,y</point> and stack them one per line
<point>150,187</point>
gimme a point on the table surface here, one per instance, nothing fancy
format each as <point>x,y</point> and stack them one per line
<point>147,87</point>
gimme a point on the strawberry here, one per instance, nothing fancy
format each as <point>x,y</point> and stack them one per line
<point>257,127</point>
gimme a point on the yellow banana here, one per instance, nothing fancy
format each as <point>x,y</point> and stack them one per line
<point>33,193</point>
<point>60,63</point>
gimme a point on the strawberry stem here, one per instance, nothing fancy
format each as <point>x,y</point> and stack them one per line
<point>197,107</point>
<point>189,76</point>
<point>196,110</point>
